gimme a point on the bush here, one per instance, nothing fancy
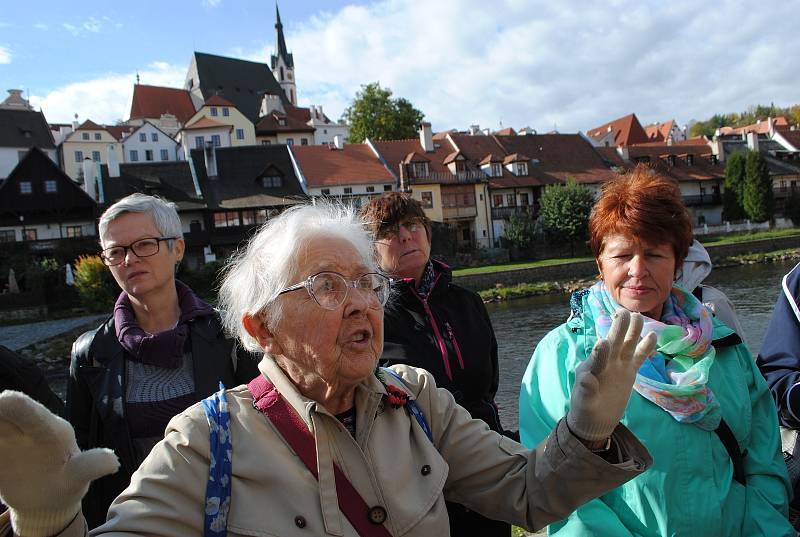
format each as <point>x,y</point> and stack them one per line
<point>94,283</point>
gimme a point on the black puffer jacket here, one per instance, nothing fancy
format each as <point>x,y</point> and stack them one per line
<point>97,384</point>
<point>451,336</point>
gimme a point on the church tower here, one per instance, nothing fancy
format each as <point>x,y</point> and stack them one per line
<point>282,62</point>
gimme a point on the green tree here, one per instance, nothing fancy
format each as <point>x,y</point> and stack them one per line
<point>520,230</point>
<point>94,283</point>
<point>733,197</point>
<point>565,212</point>
<point>792,208</point>
<point>758,200</point>
<point>376,115</point>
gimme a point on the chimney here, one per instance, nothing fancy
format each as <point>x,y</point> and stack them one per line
<point>113,163</point>
<point>210,154</point>
<point>320,115</point>
<point>474,130</point>
<point>487,131</point>
<point>718,149</point>
<point>75,123</point>
<point>752,141</point>
<point>337,142</point>
<point>426,137</point>
<point>770,124</point>
<point>88,177</point>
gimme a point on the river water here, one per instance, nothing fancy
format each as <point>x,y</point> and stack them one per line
<point>520,324</point>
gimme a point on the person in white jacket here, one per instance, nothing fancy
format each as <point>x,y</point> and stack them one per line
<point>696,268</point>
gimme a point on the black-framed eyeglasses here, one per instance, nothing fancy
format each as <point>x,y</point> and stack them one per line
<point>329,289</point>
<point>390,231</point>
<point>141,248</point>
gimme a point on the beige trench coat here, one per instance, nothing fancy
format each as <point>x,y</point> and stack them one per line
<point>274,494</point>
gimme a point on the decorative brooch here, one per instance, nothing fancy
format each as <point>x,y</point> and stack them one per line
<point>396,397</point>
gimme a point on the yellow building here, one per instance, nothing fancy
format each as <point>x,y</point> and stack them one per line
<point>93,142</point>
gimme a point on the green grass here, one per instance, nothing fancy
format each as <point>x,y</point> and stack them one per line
<point>761,257</point>
<point>518,291</point>
<point>747,237</point>
<point>514,266</point>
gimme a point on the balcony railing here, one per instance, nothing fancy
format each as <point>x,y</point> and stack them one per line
<point>504,213</point>
<point>702,199</point>
<point>470,176</point>
<point>453,213</point>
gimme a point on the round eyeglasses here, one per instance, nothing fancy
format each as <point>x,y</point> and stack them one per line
<point>329,289</point>
<point>141,248</point>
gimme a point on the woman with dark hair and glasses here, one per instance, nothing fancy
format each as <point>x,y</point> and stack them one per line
<point>162,349</point>
<point>434,324</point>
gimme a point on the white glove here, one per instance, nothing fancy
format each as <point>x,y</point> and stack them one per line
<point>603,382</point>
<point>44,474</point>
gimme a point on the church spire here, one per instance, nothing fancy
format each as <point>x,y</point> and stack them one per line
<point>282,62</point>
<point>280,42</point>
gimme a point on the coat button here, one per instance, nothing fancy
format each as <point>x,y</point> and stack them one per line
<point>300,522</point>
<point>377,515</point>
<point>426,470</point>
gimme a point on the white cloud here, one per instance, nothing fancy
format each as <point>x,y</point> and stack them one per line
<point>543,63</point>
<point>91,25</point>
<point>211,3</point>
<point>41,26</point>
<point>104,99</point>
<point>5,55</point>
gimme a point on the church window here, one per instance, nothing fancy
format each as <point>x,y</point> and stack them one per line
<point>289,75</point>
<point>281,73</point>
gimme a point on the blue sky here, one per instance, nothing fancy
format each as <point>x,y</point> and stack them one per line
<point>568,65</point>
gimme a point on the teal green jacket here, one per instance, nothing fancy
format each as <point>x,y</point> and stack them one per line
<point>690,490</point>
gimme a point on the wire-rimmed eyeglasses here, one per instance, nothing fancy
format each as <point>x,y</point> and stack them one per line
<point>329,289</point>
<point>141,248</point>
<point>390,231</point>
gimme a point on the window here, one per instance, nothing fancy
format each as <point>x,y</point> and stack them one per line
<point>690,160</point>
<point>199,142</point>
<point>497,200</point>
<point>427,199</point>
<point>142,136</point>
<point>29,234</point>
<point>282,122</point>
<point>303,141</point>
<point>96,156</point>
<point>523,199</point>
<point>85,135</point>
<point>134,155</point>
<point>50,186</point>
<point>387,188</point>
<point>215,140</point>
<point>522,168</point>
<point>324,131</point>
<point>326,191</point>
<point>165,154</point>
<point>73,231</point>
<point>97,136</point>
<point>370,189</point>
<point>348,190</point>
<point>226,112</point>
<point>25,187</point>
<point>214,111</point>
<point>248,218</point>
<point>271,181</point>
<point>496,170</point>
<point>510,200</point>
<point>290,141</point>
<point>148,155</point>
<point>78,156</point>
<point>266,142</point>
<point>7,235</point>
<point>419,169</point>
<point>226,219</point>
<point>239,133</point>
<point>154,136</point>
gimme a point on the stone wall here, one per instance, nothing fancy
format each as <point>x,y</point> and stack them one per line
<point>587,269</point>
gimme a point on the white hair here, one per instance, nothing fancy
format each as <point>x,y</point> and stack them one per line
<point>164,214</point>
<point>255,275</point>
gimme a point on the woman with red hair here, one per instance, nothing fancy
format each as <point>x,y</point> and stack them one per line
<point>699,403</point>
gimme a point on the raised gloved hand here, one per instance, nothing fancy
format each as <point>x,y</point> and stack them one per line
<point>603,382</point>
<point>44,474</point>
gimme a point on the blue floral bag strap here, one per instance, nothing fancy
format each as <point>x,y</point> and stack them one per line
<point>412,406</point>
<point>220,470</point>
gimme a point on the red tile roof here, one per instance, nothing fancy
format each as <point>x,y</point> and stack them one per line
<point>153,101</point>
<point>216,100</point>
<point>451,157</point>
<point>354,164</point>
<point>761,127</point>
<point>702,168</point>
<point>793,137</point>
<point>415,156</point>
<point>508,131</point>
<point>90,125</point>
<point>205,123</point>
<point>627,131</point>
<point>120,131</point>
<point>395,152</point>
<point>490,158</point>
<point>296,121</point>
<point>515,157</point>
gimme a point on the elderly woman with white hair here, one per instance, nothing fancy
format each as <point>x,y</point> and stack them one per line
<point>162,350</point>
<point>323,442</point>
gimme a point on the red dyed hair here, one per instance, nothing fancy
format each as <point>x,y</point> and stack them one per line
<point>645,207</point>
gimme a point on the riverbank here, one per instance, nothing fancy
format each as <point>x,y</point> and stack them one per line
<point>501,292</point>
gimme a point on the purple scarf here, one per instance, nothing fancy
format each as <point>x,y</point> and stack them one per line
<point>164,349</point>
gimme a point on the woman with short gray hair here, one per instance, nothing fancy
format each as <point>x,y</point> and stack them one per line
<point>161,351</point>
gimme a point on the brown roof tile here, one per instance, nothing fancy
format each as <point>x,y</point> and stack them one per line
<point>216,100</point>
<point>205,123</point>
<point>627,131</point>
<point>354,164</point>
<point>153,101</point>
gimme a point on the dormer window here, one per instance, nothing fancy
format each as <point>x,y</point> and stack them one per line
<point>714,159</point>
<point>522,168</point>
<point>461,166</point>
<point>496,170</point>
<point>419,169</point>
<point>271,181</point>
<point>690,160</point>
<point>282,121</point>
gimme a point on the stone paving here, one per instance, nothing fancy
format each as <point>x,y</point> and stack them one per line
<point>19,336</point>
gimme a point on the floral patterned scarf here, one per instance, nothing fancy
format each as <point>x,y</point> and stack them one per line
<point>676,376</point>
